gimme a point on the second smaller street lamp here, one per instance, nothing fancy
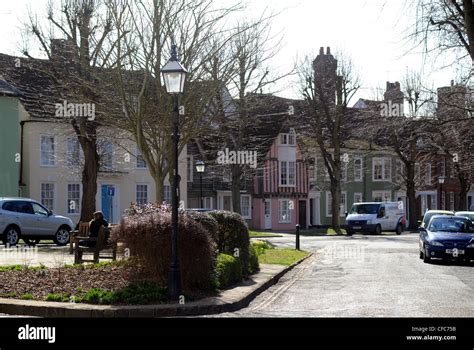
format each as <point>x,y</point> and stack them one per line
<point>200,167</point>
<point>441,182</point>
<point>174,74</point>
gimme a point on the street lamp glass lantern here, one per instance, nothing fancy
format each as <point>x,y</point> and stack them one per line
<point>441,179</point>
<point>174,74</point>
<point>200,166</point>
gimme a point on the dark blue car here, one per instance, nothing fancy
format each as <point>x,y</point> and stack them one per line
<point>447,237</point>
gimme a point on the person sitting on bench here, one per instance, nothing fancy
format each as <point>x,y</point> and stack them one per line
<point>94,227</point>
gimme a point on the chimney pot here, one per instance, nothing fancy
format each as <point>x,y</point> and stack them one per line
<point>321,51</point>
<point>328,52</point>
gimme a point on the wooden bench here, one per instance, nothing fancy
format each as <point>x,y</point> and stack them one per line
<point>100,247</point>
<point>82,231</point>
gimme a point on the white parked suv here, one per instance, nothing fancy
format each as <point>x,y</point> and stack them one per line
<point>27,219</point>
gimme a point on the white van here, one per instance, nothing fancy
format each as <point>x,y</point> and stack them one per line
<point>376,217</point>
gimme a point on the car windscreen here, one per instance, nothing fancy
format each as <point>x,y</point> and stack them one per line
<point>451,224</point>
<point>470,216</point>
<point>428,216</point>
<point>364,209</point>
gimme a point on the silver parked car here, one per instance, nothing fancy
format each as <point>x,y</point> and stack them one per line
<point>27,219</point>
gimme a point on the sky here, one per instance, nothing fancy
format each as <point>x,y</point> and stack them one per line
<point>371,32</point>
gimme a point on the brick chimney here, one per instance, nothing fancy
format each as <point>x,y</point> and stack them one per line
<point>451,102</point>
<point>325,74</point>
<point>393,93</point>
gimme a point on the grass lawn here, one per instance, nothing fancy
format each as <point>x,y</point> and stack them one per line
<point>256,234</point>
<point>285,257</point>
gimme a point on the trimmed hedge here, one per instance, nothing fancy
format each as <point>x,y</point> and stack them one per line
<point>206,220</point>
<point>228,270</point>
<point>147,233</point>
<point>233,237</point>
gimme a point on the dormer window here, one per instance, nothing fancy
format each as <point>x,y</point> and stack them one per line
<point>287,139</point>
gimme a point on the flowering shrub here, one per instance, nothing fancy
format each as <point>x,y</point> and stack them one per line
<point>141,209</point>
<point>146,231</point>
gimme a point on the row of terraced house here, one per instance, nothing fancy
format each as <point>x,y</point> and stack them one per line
<point>41,158</point>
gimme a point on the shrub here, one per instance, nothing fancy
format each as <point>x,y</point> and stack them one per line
<point>228,269</point>
<point>141,293</point>
<point>148,236</point>
<point>253,259</point>
<point>144,209</point>
<point>9,295</point>
<point>206,220</point>
<point>260,246</point>
<point>233,236</point>
<point>27,296</point>
<point>99,296</point>
<point>57,297</point>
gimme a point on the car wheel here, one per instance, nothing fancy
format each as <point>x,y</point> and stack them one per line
<point>62,236</point>
<point>11,236</point>
<point>399,229</point>
<point>421,254</point>
<point>31,242</point>
<point>378,230</point>
<point>426,256</point>
<point>349,233</point>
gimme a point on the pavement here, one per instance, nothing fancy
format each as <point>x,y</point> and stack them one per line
<point>366,276</point>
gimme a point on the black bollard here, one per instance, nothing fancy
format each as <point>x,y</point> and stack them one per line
<point>298,237</point>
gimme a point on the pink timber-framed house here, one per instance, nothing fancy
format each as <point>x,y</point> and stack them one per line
<point>280,194</point>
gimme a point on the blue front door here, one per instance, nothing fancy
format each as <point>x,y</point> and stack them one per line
<point>107,202</point>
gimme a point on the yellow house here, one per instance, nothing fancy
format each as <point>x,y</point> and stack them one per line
<point>50,159</point>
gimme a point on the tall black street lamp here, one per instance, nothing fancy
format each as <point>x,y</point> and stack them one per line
<point>200,168</point>
<point>174,76</point>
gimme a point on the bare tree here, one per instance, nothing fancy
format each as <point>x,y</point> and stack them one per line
<point>445,25</point>
<point>85,26</point>
<point>420,99</point>
<point>328,88</point>
<point>252,50</point>
<point>146,29</point>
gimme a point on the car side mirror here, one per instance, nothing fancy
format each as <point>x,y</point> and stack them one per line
<point>346,213</point>
<point>422,230</point>
<point>419,222</point>
<point>50,212</point>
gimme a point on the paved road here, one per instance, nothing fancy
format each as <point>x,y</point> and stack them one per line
<point>366,276</point>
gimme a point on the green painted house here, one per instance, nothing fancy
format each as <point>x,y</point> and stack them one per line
<point>10,152</point>
<point>370,174</point>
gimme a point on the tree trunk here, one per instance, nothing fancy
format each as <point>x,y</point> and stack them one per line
<point>235,187</point>
<point>413,212</point>
<point>159,189</point>
<point>336,205</point>
<point>89,179</point>
<point>465,186</point>
<point>469,24</point>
